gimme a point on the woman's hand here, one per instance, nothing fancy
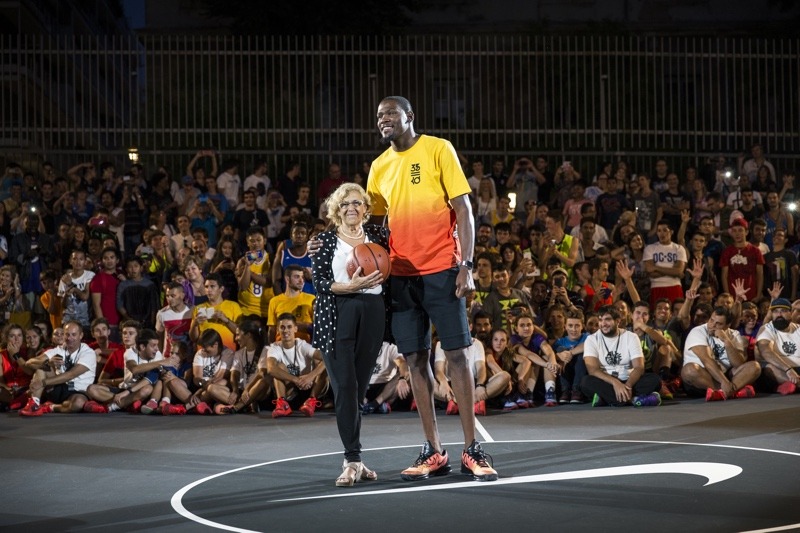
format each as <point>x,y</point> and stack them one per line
<point>359,282</point>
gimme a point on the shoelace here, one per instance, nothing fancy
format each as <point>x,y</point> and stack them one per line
<point>480,457</point>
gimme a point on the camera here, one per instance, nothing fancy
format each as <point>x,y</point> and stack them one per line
<point>559,281</point>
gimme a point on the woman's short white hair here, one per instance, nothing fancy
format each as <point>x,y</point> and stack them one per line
<point>338,196</point>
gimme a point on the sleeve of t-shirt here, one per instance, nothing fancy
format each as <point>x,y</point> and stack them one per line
<point>647,254</point>
<point>453,178</point>
<point>766,335</point>
<point>682,254</point>
<point>590,348</point>
<point>695,338</point>
<point>379,206</point>
<point>634,346</point>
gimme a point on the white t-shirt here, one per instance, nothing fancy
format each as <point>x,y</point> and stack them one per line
<point>785,343</point>
<point>385,367</point>
<point>83,356</point>
<point>212,365</point>
<point>600,234</point>
<point>252,181</point>
<point>299,359</point>
<point>699,336</point>
<point>77,309</point>
<point>229,185</point>
<point>664,255</point>
<point>475,355</point>
<point>615,354</point>
<point>247,365</point>
<point>132,355</point>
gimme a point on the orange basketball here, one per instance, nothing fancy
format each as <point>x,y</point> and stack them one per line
<point>370,257</point>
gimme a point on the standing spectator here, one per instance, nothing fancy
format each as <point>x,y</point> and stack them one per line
<point>499,176</point>
<point>742,262</point>
<point>294,301</point>
<point>258,179</point>
<point>103,289</point>
<point>134,211</point>
<point>137,296</point>
<point>328,184</point>
<point>611,204</point>
<point>248,215</point>
<point>664,262</point>
<point>674,201</point>
<point>750,166</point>
<point>253,274</point>
<point>229,183</point>
<point>781,266</point>
<point>206,215</point>
<point>293,251</point>
<point>777,217</point>
<point>32,252</point>
<point>525,180</point>
<point>648,208</point>
<point>73,290</point>
<point>288,183</point>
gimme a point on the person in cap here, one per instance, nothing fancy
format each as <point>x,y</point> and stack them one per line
<point>742,261</point>
<point>777,345</point>
<point>715,361</point>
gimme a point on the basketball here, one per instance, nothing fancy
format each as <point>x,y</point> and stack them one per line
<point>370,257</point>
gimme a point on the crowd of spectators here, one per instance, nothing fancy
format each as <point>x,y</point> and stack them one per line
<point>195,294</point>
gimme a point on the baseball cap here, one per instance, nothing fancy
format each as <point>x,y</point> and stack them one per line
<point>559,270</point>
<point>780,303</point>
<point>740,222</point>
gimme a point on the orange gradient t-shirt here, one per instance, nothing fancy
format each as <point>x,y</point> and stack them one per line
<point>414,188</point>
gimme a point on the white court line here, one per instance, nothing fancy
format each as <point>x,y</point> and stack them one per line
<point>177,504</point>
<point>482,430</point>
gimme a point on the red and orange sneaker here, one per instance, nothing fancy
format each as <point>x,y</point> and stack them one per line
<point>31,408</point>
<point>480,408</point>
<point>282,408</point>
<point>745,392</point>
<point>94,407</point>
<point>169,409</point>
<point>429,463</point>
<point>309,406</point>
<point>474,463</point>
<point>786,388</point>
<point>715,395</point>
<point>452,408</point>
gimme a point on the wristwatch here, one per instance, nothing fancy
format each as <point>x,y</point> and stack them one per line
<point>467,264</point>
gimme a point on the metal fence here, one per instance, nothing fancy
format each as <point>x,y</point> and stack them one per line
<point>583,98</point>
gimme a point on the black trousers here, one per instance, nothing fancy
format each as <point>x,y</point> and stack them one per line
<point>591,385</point>
<point>360,325</point>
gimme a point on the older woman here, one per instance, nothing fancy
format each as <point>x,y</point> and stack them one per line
<point>349,318</point>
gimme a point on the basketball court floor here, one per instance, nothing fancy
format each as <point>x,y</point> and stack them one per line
<point>685,466</point>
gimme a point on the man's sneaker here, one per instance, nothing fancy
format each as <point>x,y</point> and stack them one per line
<point>282,408</point>
<point>480,408</point>
<point>429,463</point>
<point>384,409</point>
<point>369,408</point>
<point>597,401</point>
<point>510,404</point>
<point>94,407</point>
<point>309,406</point>
<point>650,400</point>
<point>523,402</point>
<point>149,408</point>
<point>203,408</point>
<point>452,408</point>
<point>170,409</point>
<point>31,409</point>
<point>413,405</point>
<point>474,463</point>
<point>550,398</point>
<point>135,407</point>
<point>566,396</point>
<point>675,385</point>
<point>664,392</point>
<point>576,397</point>
<point>786,388</point>
<point>715,395</point>
<point>745,392</point>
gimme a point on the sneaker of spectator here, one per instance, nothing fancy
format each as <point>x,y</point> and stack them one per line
<point>480,408</point>
<point>786,388</point>
<point>650,400</point>
<point>452,408</point>
<point>746,392</point>
<point>282,408</point>
<point>715,395</point>
<point>310,406</point>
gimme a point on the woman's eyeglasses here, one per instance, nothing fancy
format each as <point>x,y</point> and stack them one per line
<point>354,203</point>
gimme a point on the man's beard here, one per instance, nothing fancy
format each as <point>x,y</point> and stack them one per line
<point>612,334</point>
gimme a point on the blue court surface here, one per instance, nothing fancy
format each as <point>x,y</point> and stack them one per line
<point>685,466</point>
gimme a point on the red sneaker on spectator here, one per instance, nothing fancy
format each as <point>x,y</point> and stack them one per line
<point>452,408</point>
<point>746,392</point>
<point>309,406</point>
<point>172,409</point>
<point>282,408</point>
<point>94,407</point>
<point>786,388</point>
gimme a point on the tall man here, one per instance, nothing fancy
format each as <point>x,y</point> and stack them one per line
<point>419,183</point>
<point>664,262</point>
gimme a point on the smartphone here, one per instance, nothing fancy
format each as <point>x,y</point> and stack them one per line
<point>203,198</point>
<point>254,256</point>
<point>527,254</point>
<point>559,282</point>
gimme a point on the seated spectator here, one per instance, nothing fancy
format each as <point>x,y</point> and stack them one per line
<point>297,370</point>
<point>476,358</point>
<point>715,363</point>
<point>250,383</point>
<point>615,366</point>
<point>174,320</point>
<point>658,351</point>
<point>210,376</point>
<point>777,349</point>
<point>14,378</point>
<point>62,375</point>
<point>113,372</point>
<point>569,353</point>
<point>389,381</point>
<point>206,215</point>
<point>533,346</point>
<point>143,363</point>
<point>102,344</point>
<point>504,297</point>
